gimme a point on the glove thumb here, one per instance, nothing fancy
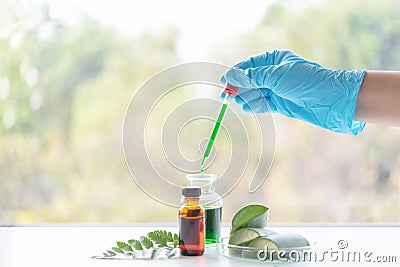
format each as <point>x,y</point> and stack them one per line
<point>237,77</point>
<point>259,77</point>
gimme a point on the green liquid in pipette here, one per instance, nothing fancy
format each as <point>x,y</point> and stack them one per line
<point>214,134</point>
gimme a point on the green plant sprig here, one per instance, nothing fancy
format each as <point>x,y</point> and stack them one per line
<point>152,246</point>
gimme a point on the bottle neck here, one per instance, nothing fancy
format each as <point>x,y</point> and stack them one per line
<point>206,184</point>
<point>191,201</point>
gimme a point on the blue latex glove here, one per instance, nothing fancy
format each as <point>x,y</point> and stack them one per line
<point>281,81</point>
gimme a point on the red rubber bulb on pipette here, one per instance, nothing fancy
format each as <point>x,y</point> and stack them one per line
<point>230,89</point>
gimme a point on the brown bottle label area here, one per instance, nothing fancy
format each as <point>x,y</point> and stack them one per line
<point>191,233</point>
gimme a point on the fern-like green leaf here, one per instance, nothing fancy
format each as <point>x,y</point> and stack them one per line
<point>159,237</point>
<point>156,243</point>
<point>176,240</point>
<point>118,250</point>
<point>135,244</point>
<point>153,235</point>
<point>124,246</point>
<point>111,253</point>
<point>146,242</point>
<point>169,237</point>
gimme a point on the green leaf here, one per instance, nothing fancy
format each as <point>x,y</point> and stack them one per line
<point>159,237</point>
<point>135,244</point>
<point>153,235</point>
<point>153,245</point>
<point>146,242</point>
<point>124,246</point>
<point>176,240</point>
<point>118,250</point>
<point>169,237</point>
<point>111,253</point>
<point>120,244</point>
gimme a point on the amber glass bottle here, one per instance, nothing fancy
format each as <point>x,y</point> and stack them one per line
<point>191,223</point>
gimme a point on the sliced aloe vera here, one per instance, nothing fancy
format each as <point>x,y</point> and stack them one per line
<point>281,241</point>
<point>276,247</point>
<point>243,236</point>
<point>250,216</point>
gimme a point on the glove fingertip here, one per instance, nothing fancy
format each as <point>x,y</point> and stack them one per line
<point>237,77</point>
<point>222,79</point>
<point>222,94</point>
<point>246,108</point>
<point>239,100</point>
<point>251,108</point>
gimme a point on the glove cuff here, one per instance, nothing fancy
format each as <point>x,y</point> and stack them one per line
<point>351,83</point>
<point>355,126</point>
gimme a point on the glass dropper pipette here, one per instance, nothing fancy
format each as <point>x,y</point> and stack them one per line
<point>230,91</point>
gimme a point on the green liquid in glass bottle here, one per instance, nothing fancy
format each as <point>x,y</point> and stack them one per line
<point>213,223</point>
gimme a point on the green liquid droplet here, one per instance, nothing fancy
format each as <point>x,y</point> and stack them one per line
<point>213,135</point>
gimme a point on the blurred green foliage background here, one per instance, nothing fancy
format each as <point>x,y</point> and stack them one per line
<point>64,89</point>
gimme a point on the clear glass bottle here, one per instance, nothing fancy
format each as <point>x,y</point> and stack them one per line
<point>191,222</point>
<point>211,202</point>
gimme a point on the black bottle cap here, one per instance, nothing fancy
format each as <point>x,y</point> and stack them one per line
<point>191,191</point>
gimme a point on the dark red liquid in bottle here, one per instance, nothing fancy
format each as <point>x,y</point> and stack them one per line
<point>191,231</point>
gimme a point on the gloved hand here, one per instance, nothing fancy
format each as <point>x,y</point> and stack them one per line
<point>281,81</point>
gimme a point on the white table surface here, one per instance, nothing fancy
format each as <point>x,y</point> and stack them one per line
<point>73,245</point>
